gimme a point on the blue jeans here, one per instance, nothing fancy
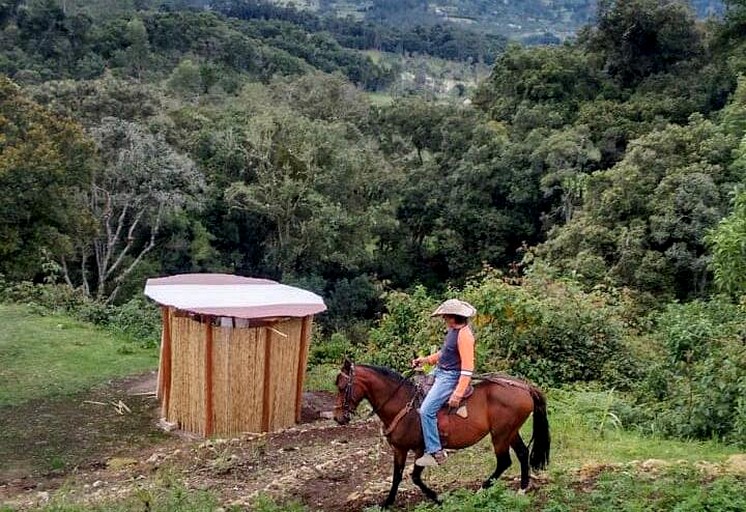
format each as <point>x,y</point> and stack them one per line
<point>445,383</point>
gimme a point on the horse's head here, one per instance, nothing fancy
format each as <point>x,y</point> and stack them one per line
<point>349,393</point>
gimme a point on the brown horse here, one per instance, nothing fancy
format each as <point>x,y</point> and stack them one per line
<point>499,406</point>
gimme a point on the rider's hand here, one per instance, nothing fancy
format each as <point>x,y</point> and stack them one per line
<point>454,401</point>
<point>418,361</point>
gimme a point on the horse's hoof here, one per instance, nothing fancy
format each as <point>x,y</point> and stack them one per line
<point>487,484</point>
<point>386,505</point>
<point>522,492</point>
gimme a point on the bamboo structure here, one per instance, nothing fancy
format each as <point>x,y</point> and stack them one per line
<point>217,380</point>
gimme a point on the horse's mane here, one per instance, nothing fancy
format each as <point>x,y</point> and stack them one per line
<point>389,373</point>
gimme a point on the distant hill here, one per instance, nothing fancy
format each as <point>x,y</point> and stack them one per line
<point>529,20</point>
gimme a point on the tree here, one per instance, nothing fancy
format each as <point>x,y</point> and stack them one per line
<point>642,223</point>
<point>186,79</point>
<point>44,161</point>
<point>320,185</point>
<point>728,244</point>
<point>638,38</point>
<point>138,50</point>
<point>142,180</point>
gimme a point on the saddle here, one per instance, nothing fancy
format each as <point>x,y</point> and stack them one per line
<point>425,383</point>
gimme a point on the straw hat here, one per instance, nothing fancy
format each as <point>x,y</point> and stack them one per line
<point>455,307</point>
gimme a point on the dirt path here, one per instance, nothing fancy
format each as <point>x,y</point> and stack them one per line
<point>102,454</point>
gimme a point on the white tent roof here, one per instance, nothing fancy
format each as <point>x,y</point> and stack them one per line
<point>233,296</point>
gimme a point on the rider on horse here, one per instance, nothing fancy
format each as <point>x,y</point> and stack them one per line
<point>455,366</point>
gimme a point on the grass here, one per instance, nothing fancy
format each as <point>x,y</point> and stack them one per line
<point>321,378</point>
<point>582,437</point>
<point>596,465</point>
<point>162,499</point>
<point>48,356</point>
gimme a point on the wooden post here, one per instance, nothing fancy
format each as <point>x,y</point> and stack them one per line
<point>208,377</point>
<point>165,376</point>
<point>267,395</point>
<point>305,333</point>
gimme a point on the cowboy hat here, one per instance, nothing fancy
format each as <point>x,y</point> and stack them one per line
<point>455,307</point>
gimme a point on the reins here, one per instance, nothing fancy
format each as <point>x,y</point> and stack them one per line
<point>407,408</point>
<point>405,378</point>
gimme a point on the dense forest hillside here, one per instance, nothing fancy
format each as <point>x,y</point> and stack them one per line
<point>589,196</point>
<point>548,124</point>
<point>529,20</point>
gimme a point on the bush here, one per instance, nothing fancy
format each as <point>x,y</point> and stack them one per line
<point>698,388</point>
<point>549,331</point>
<point>405,329</point>
<point>332,350</point>
<point>139,320</point>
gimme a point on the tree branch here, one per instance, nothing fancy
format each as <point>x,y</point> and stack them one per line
<point>153,233</point>
<point>65,272</point>
<point>130,241</point>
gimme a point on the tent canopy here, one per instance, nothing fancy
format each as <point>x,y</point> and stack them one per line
<point>233,296</point>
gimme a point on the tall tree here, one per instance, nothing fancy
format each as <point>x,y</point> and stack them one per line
<point>44,160</point>
<point>142,181</point>
<point>640,37</point>
<point>643,222</point>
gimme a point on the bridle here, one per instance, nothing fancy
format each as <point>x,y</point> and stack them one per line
<point>347,399</point>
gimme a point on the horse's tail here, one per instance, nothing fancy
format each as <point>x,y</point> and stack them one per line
<point>539,457</point>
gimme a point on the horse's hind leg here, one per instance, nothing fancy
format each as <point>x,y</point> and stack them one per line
<point>521,451</point>
<point>502,453</point>
<point>417,479</point>
<point>503,463</point>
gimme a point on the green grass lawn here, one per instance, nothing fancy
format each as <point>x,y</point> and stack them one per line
<point>48,356</point>
<point>596,465</point>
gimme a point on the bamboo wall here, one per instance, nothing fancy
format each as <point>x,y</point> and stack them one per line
<point>228,380</point>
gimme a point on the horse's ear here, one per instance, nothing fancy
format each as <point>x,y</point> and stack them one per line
<point>347,364</point>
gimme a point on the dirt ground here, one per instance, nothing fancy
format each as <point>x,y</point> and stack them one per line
<point>92,449</point>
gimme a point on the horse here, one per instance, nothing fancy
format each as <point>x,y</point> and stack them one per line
<point>498,406</point>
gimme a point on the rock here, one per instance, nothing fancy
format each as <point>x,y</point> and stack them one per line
<point>654,464</point>
<point>353,496</point>
<point>167,426</point>
<point>154,458</point>
<point>120,462</point>
<point>736,464</point>
<point>326,415</point>
<point>97,484</point>
<point>42,496</point>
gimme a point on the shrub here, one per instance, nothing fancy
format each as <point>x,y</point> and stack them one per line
<point>332,350</point>
<point>698,388</point>
<point>405,329</point>
<point>547,330</point>
<point>138,319</point>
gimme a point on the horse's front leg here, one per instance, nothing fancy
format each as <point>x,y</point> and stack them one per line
<point>417,479</point>
<point>400,460</point>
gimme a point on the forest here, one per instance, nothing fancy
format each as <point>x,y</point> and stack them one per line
<point>588,197</point>
<point>531,21</point>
